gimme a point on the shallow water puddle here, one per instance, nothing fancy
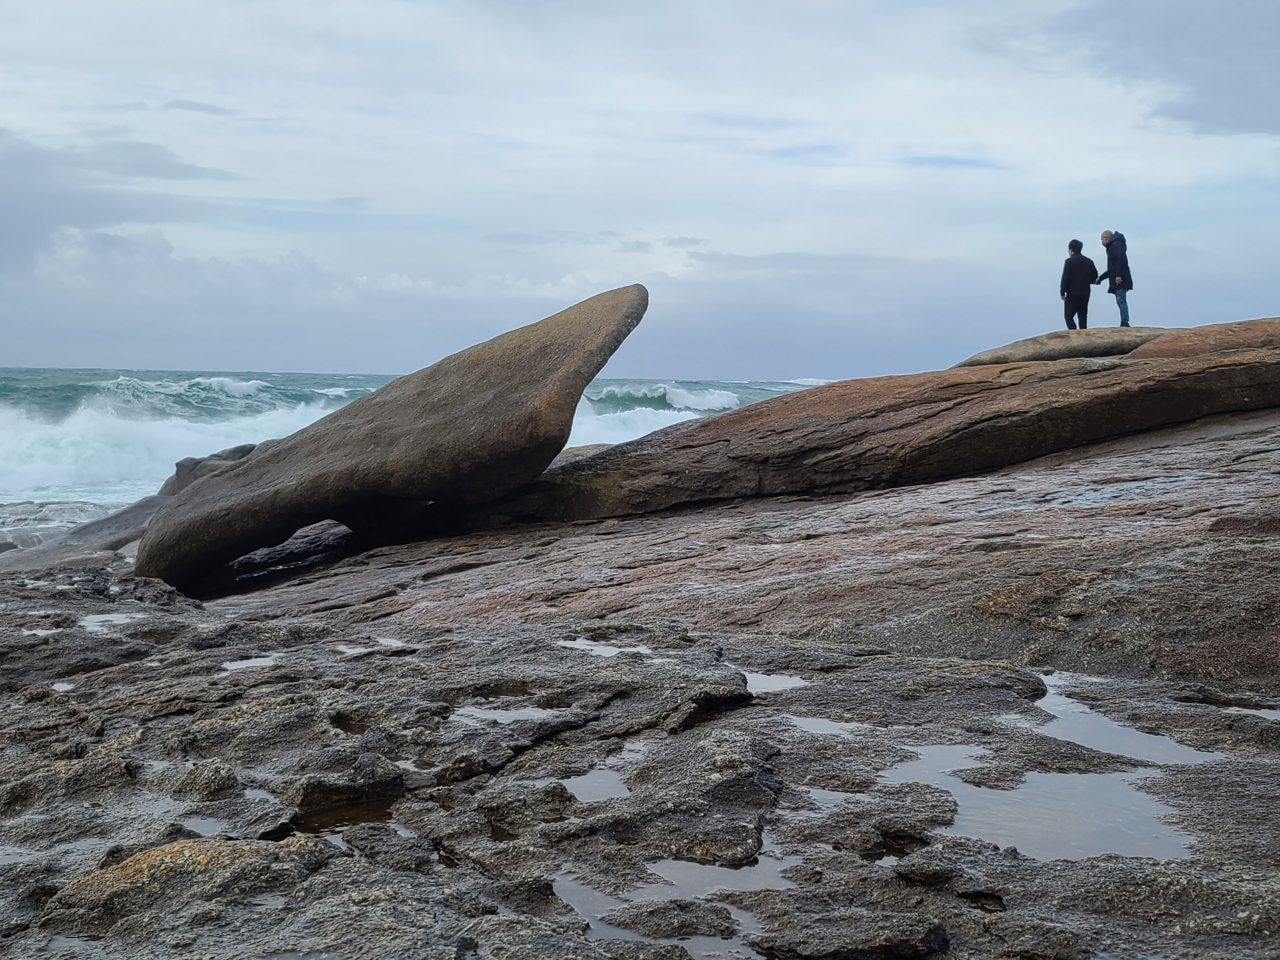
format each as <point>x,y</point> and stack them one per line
<point>62,686</point>
<point>99,622</point>
<point>823,725</point>
<point>333,822</point>
<point>825,801</point>
<point>248,664</point>
<point>1076,722</point>
<point>252,794</point>
<point>601,649</point>
<point>1051,816</point>
<point>687,880</point>
<point>38,633</point>
<point>206,826</point>
<point>771,682</point>
<point>478,715</point>
<point>350,651</point>
<point>1268,714</point>
<point>599,784</point>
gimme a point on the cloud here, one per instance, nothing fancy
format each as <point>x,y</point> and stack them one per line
<point>1217,60</point>
<point>946,161</point>
<point>134,160</point>
<point>684,243</point>
<point>195,106</point>
<point>43,191</point>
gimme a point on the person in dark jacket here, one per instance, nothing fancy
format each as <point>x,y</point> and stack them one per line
<point>1118,272</point>
<point>1078,275</point>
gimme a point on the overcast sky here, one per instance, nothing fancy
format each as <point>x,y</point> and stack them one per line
<point>810,189</point>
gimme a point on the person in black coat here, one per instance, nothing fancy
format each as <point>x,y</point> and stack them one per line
<point>1118,272</point>
<point>1078,275</point>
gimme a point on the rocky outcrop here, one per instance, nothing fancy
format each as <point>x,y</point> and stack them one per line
<point>1068,345</point>
<point>190,469</point>
<point>1213,338</point>
<point>894,431</point>
<point>467,429</point>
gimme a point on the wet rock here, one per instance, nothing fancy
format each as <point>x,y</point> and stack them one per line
<point>674,918</point>
<point>1213,338</point>
<point>930,867</point>
<point>893,431</point>
<point>101,772</point>
<point>190,469</point>
<point>1033,939</point>
<point>860,935</point>
<point>467,429</point>
<point>1068,344</point>
<point>373,777</point>
<point>188,869</point>
<point>208,780</point>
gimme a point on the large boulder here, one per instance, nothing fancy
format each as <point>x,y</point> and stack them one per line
<point>892,431</point>
<point>1214,338</point>
<point>1068,345</point>
<point>465,430</point>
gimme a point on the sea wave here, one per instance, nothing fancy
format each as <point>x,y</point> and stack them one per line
<point>97,455</point>
<point>616,398</point>
<point>113,436</point>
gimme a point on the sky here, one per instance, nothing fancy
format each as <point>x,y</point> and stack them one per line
<point>810,189</point>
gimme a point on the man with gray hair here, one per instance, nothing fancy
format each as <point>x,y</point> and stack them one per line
<point>1117,272</point>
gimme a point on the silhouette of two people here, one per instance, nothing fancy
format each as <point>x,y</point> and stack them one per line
<point>1080,273</point>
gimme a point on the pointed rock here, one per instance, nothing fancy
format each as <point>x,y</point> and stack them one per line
<point>465,430</point>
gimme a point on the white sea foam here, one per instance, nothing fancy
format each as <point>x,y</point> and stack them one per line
<point>667,394</point>
<point>113,441</point>
<point>232,387</point>
<point>98,456</point>
<point>701,399</point>
<point>590,427</point>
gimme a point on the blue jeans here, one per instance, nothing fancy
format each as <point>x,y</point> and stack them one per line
<point>1123,304</point>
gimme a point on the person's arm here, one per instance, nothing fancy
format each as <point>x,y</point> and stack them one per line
<point>1066,280</point>
<point>1093,272</point>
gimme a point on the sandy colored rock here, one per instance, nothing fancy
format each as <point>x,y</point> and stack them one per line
<point>188,869</point>
<point>467,429</point>
<point>1213,338</point>
<point>1067,345</point>
<point>895,431</point>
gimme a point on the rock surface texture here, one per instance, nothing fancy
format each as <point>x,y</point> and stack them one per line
<point>1067,345</point>
<point>894,431</point>
<point>1032,714</point>
<point>1213,338</point>
<point>466,429</point>
<point>817,726</point>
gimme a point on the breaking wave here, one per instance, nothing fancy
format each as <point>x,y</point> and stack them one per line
<point>110,437</point>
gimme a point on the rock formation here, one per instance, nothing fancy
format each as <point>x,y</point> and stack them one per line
<point>1213,338</point>
<point>894,431</point>
<point>467,429</point>
<point>1068,345</point>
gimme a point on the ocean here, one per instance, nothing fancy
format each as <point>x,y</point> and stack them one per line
<point>76,445</point>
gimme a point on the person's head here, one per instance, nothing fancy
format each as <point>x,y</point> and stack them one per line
<point>1075,246</point>
<point>1106,237</point>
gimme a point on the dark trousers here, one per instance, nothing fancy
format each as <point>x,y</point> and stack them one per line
<point>1077,305</point>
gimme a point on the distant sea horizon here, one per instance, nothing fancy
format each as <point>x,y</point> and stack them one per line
<point>79,443</point>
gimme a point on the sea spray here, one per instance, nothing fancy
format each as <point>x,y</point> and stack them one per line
<point>110,437</point>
